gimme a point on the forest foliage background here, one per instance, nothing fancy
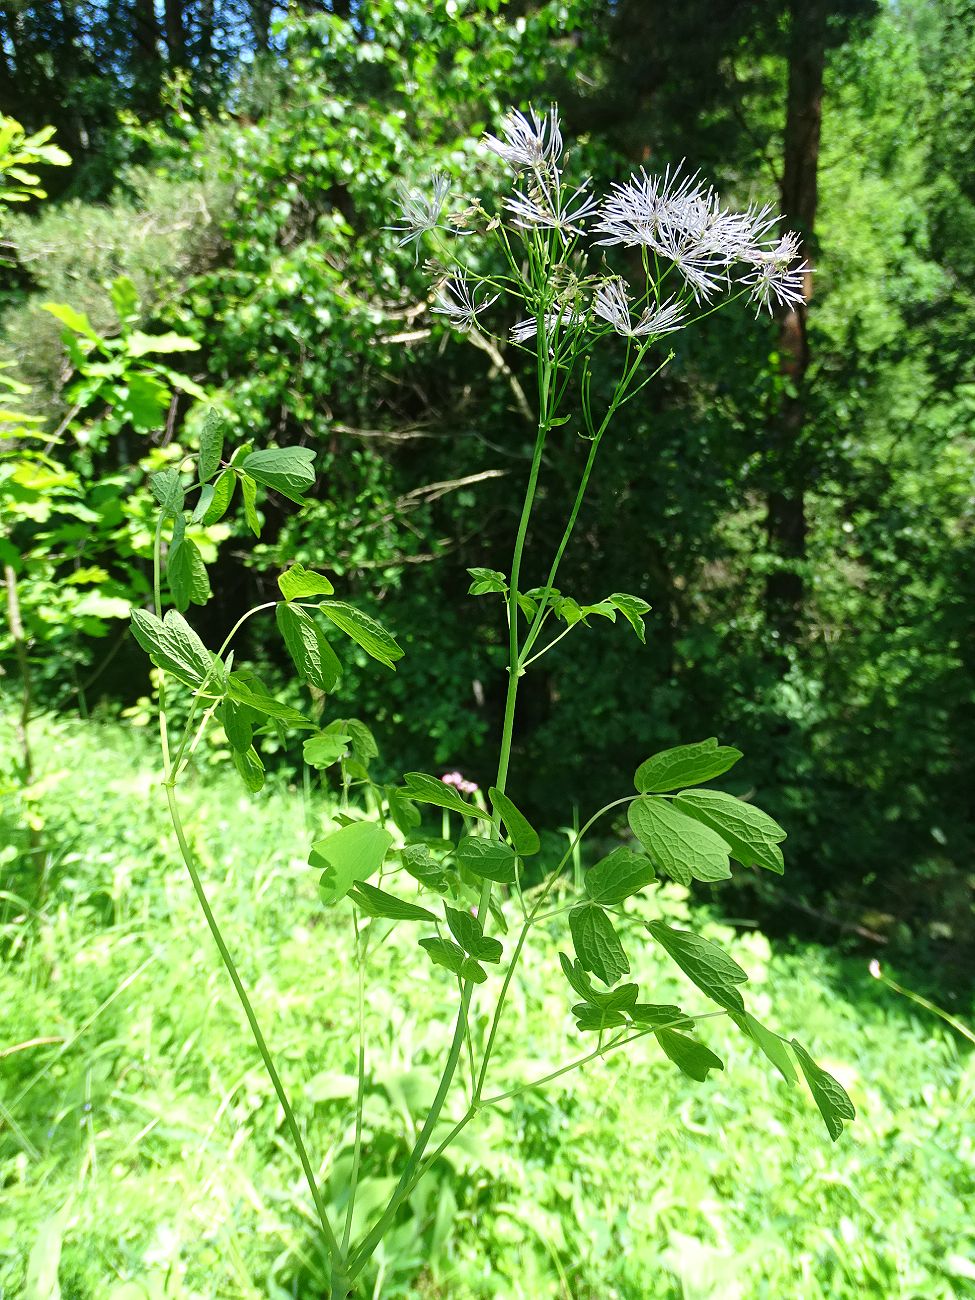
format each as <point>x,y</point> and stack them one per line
<point>794,497</point>
<point>798,511</point>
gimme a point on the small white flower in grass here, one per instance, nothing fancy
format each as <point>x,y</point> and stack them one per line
<point>421,212</point>
<point>546,208</point>
<point>775,278</point>
<point>612,305</point>
<point>457,300</point>
<point>530,141</point>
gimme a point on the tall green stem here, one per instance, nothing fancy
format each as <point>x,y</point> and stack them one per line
<point>407,1178</point>
<point>228,961</point>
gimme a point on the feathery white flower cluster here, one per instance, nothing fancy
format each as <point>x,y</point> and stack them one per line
<point>677,219</point>
<point>530,141</point>
<point>457,300</point>
<point>681,220</point>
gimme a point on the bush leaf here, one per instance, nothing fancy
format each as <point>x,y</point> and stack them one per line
<point>298,582</point>
<point>685,765</point>
<point>679,844</point>
<point>376,902</point>
<point>597,944</point>
<point>618,876</point>
<point>364,630</point>
<point>521,833</point>
<point>751,835</point>
<point>704,963</point>
<point>829,1095</point>
<point>287,470</point>
<point>348,856</point>
<point>487,859</point>
<point>313,657</point>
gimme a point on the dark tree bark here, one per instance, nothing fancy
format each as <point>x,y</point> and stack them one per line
<point>261,23</point>
<point>205,22</point>
<point>175,33</point>
<point>146,53</point>
<point>786,504</point>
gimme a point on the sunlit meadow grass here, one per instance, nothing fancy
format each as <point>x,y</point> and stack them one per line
<point>142,1152</point>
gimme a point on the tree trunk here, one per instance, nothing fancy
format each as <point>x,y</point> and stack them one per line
<point>786,506</point>
<point>146,56</point>
<point>175,34</point>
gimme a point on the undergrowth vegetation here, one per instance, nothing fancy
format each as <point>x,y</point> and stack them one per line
<point>143,1154</point>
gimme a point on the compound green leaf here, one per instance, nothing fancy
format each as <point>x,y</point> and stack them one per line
<point>75,320</point>
<point>659,1015</point>
<point>211,445</point>
<point>618,876</point>
<point>422,867</point>
<point>678,844</point>
<point>287,470</point>
<point>522,834</point>
<point>487,859</point>
<point>376,902</point>
<point>298,583</point>
<point>622,998</point>
<point>172,645</point>
<point>244,692</point>
<point>223,491</point>
<point>770,1044</point>
<point>597,944</point>
<point>829,1095</point>
<point>685,765</point>
<point>691,1057</point>
<point>125,299</point>
<point>187,575</point>
<point>364,747</point>
<point>704,963</point>
<point>139,344</point>
<point>486,581</point>
<point>469,933</point>
<point>596,1019</point>
<point>203,504</point>
<point>751,835</point>
<point>237,722</point>
<point>167,488</point>
<point>248,490</point>
<point>248,764</point>
<point>325,749</point>
<point>429,789</point>
<point>405,814</point>
<point>454,959</point>
<point>313,657</point>
<point>632,608</point>
<point>349,856</point>
<point>364,630</point>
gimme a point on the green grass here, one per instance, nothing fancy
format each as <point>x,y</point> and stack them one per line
<point>148,1145</point>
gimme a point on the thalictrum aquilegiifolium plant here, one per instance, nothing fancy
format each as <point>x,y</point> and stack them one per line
<point>684,254</point>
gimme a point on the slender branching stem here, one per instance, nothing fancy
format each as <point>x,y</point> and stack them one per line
<point>169,781</point>
<point>360,963</point>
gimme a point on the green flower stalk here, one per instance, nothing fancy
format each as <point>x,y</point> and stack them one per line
<point>573,314</point>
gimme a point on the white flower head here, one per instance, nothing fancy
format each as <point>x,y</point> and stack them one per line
<point>611,304</point>
<point>775,277</point>
<point>528,141</point>
<point>526,329</point>
<point>457,300</point>
<point>546,207</point>
<point>680,218</point>
<point>421,212</point>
